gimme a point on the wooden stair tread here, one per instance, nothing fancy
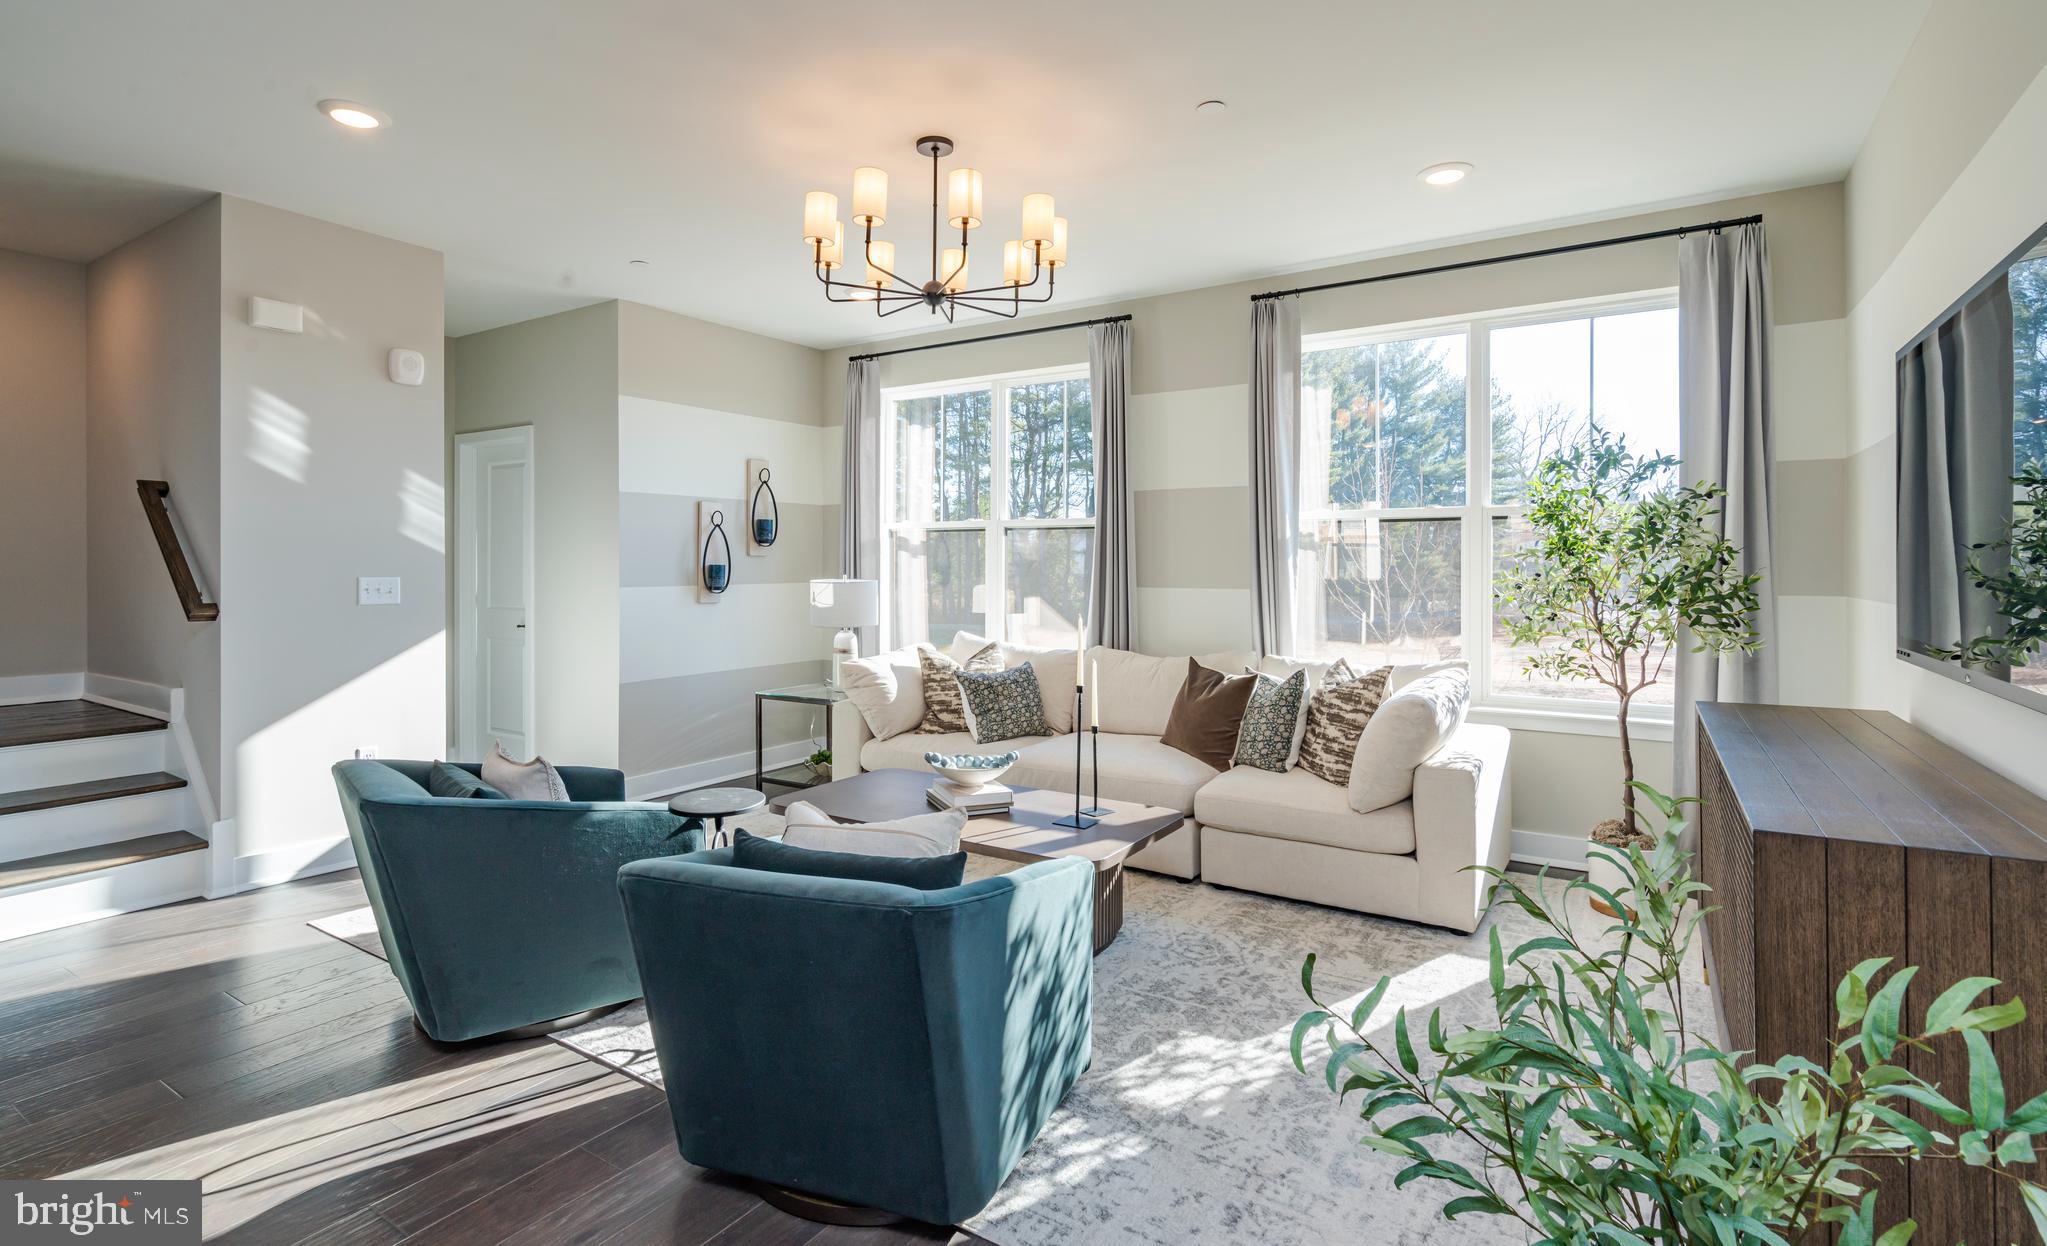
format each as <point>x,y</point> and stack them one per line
<point>46,722</point>
<point>99,857</point>
<point>91,790</point>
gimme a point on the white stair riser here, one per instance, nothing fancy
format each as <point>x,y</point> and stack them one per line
<point>78,761</point>
<point>87,897</point>
<point>93,823</point>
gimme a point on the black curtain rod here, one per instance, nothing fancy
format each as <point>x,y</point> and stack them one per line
<point>1678,231</point>
<point>992,337</point>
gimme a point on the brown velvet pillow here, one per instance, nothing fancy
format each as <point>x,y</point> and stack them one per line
<point>1207,713</point>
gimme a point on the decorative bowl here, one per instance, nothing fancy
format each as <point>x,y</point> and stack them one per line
<point>971,769</point>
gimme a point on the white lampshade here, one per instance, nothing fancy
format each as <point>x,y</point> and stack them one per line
<point>880,255</point>
<point>835,250</point>
<point>1054,256</point>
<point>1037,218</point>
<point>953,258</point>
<point>963,199</point>
<point>870,195</point>
<point>1016,264</point>
<point>844,603</point>
<point>820,209</point>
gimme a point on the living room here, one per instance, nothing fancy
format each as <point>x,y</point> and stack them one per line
<point>1479,496</point>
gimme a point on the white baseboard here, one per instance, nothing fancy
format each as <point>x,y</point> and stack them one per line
<point>26,689</point>
<point>1549,848</point>
<point>736,768</point>
<point>283,865</point>
<point>132,695</point>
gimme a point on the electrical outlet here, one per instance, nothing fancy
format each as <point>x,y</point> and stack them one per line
<point>376,590</point>
<point>367,753</point>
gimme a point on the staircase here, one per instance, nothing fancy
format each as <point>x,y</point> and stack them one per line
<point>93,821</point>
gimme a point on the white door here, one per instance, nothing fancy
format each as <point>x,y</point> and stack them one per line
<point>494,592</point>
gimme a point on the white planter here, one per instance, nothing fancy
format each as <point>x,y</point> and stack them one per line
<point>1600,870</point>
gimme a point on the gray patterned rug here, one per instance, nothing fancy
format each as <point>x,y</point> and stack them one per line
<point>1192,1126</point>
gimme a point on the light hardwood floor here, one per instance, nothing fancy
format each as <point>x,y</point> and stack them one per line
<point>228,1041</point>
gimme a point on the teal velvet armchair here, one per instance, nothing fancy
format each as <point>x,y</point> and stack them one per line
<point>498,914</point>
<point>864,1042</point>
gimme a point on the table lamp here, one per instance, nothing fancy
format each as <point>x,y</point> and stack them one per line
<point>845,605</point>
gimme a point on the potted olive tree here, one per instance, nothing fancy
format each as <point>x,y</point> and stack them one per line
<point>1623,557</point>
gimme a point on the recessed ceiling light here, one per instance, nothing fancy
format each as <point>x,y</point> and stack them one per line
<point>353,115</point>
<point>1449,173</point>
<point>1211,108</point>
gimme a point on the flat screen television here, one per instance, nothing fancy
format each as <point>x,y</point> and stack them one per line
<point>1972,484</point>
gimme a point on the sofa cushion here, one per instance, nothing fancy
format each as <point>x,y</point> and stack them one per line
<point>943,711</point>
<point>906,752</point>
<point>1402,676</point>
<point>454,782</point>
<point>752,852</point>
<point>887,689</point>
<point>1133,767</point>
<point>1298,806</point>
<point>1281,667</point>
<point>1406,730</point>
<point>1207,714</point>
<point>1056,674</point>
<point>917,835</point>
<point>1137,690</point>
<point>1274,719</point>
<point>1002,705</point>
<point>1337,715</point>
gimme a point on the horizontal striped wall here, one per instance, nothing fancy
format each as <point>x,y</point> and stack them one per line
<point>688,669</point>
<point>1192,498</point>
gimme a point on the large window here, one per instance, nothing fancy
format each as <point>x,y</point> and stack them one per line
<point>991,508</point>
<point>1417,444</point>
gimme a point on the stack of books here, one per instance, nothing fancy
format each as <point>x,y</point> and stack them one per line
<point>985,799</point>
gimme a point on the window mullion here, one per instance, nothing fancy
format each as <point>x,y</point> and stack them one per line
<point>1478,529</point>
<point>995,545</point>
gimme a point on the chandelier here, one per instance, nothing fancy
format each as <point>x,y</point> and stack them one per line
<point>1041,251</point>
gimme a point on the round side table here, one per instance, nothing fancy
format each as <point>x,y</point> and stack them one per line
<point>715,804</point>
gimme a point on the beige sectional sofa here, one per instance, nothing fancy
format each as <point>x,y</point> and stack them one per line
<point>1290,834</point>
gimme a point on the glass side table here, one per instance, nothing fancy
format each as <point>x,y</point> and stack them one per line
<point>800,774</point>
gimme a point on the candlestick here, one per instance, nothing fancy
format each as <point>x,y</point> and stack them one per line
<point>1080,820</point>
<point>1097,809</point>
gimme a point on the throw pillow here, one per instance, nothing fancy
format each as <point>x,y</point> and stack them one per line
<point>1274,719</point>
<point>1337,715</point>
<point>919,835</point>
<point>1406,731</point>
<point>1002,705</point>
<point>456,783</point>
<point>887,689</point>
<point>944,713</point>
<point>1207,715</point>
<point>523,780</point>
<point>1056,669</point>
<point>752,852</point>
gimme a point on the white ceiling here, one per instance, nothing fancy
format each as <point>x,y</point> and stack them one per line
<point>542,145</point>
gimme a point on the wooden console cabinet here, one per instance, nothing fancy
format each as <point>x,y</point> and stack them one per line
<point>1830,836</point>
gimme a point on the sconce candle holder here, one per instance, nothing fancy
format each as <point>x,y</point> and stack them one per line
<point>762,529</point>
<point>714,567</point>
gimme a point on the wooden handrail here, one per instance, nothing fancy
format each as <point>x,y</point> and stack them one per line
<point>154,504</point>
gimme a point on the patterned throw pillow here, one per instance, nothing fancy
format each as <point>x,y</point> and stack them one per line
<point>1003,705</point>
<point>1270,738</point>
<point>1336,718</point>
<point>944,713</point>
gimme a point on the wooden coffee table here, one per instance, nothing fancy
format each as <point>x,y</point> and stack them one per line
<point>1023,833</point>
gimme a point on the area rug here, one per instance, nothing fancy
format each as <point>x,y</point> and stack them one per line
<point>1192,1126</point>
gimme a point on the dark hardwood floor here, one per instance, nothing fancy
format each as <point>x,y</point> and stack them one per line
<point>228,1041</point>
<point>45,722</point>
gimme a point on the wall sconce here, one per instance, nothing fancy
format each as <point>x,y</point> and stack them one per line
<point>762,526</point>
<point>714,567</point>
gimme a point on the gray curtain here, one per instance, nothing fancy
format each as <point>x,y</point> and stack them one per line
<point>1955,462</point>
<point>860,482</point>
<point>1113,590</point>
<point>1724,417</point>
<point>1275,468</point>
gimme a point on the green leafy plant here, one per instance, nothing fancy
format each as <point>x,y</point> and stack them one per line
<point>2020,593</point>
<point>820,761</point>
<point>1589,1110</point>
<point>1623,558</point>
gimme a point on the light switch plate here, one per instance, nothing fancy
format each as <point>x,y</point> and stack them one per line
<point>376,590</point>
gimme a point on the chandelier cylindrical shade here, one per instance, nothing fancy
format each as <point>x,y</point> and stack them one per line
<point>835,250</point>
<point>1016,263</point>
<point>820,210</point>
<point>870,195</point>
<point>952,268</point>
<point>1037,218</point>
<point>963,199</point>
<point>1054,256</point>
<point>880,255</point>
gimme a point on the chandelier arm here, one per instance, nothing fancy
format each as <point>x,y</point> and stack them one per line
<point>994,309</point>
<point>907,285</point>
<point>831,284</point>
<point>902,306</point>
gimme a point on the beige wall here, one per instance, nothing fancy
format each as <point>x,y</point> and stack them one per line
<point>329,471</point>
<point>560,374</point>
<point>154,398</point>
<point>1189,439</point>
<point>1948,182</point>
<point>42,475</point>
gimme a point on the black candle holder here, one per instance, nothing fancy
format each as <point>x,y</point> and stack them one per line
<point>717,576</point>
<point>1082,819</point>
<point>765,531</point>
<point>1097,808</point>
